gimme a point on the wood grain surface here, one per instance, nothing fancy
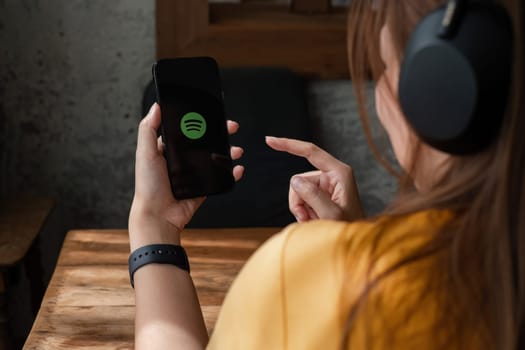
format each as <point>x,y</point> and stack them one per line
<point>311,6</point>
<point>89,303</point>
<point>257,34</point>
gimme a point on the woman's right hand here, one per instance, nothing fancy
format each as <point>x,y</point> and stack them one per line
<point>328,193</point>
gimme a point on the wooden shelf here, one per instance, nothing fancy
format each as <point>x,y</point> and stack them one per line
<point>257,15</point>
<point>252,34</point>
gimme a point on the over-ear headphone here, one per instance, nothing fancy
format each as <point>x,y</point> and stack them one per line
<point>455,76</point>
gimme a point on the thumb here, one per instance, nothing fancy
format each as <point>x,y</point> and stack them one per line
<point>316,198</point>
<point>147,138</point>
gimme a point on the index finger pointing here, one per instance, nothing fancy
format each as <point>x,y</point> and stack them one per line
<point>318,157</point>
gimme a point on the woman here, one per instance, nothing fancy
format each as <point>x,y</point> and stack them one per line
<point>443,267</point>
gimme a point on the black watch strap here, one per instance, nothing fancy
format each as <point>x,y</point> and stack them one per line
<point>157,254</point>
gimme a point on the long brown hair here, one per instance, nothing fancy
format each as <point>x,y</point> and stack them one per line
<point>482,248</point>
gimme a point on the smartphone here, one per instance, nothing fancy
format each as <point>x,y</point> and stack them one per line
<point>193,127</point>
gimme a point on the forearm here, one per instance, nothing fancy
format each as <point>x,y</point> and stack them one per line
<point>168,315</point>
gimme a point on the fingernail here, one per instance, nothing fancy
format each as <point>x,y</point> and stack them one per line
<point>152,107</point>
<point>297,182</point>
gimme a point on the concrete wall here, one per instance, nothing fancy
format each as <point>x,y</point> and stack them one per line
<point>72,73</point>
<point>71,79</point>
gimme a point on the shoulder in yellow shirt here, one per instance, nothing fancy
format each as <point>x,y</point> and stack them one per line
<point>296,290</point>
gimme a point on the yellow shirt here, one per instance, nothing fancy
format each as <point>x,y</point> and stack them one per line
<point>295,291</point>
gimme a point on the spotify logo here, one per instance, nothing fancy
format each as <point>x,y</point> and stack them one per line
<point>193,125</point>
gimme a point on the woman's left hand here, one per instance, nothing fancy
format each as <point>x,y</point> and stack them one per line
<point>156,216</point>
<point>329,193</point>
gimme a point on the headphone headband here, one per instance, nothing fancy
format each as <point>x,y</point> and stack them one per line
<point>454,12</point>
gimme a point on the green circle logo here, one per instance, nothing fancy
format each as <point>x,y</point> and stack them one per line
<point>193,125</point>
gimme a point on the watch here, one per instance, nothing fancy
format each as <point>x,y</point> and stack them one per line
<point>157,254</point>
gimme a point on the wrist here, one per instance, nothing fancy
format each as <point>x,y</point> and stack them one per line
<point>157,254</point>
<point>146,228</point>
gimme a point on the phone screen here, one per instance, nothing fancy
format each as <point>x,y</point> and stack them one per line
<point>193,127</point>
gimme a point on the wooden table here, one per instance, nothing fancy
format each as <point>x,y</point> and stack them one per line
<point>89,303</point>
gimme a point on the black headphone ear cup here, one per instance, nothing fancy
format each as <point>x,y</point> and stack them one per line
<point>454,91</point>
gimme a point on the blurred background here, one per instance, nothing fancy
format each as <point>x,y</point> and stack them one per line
<point>73,77</point>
